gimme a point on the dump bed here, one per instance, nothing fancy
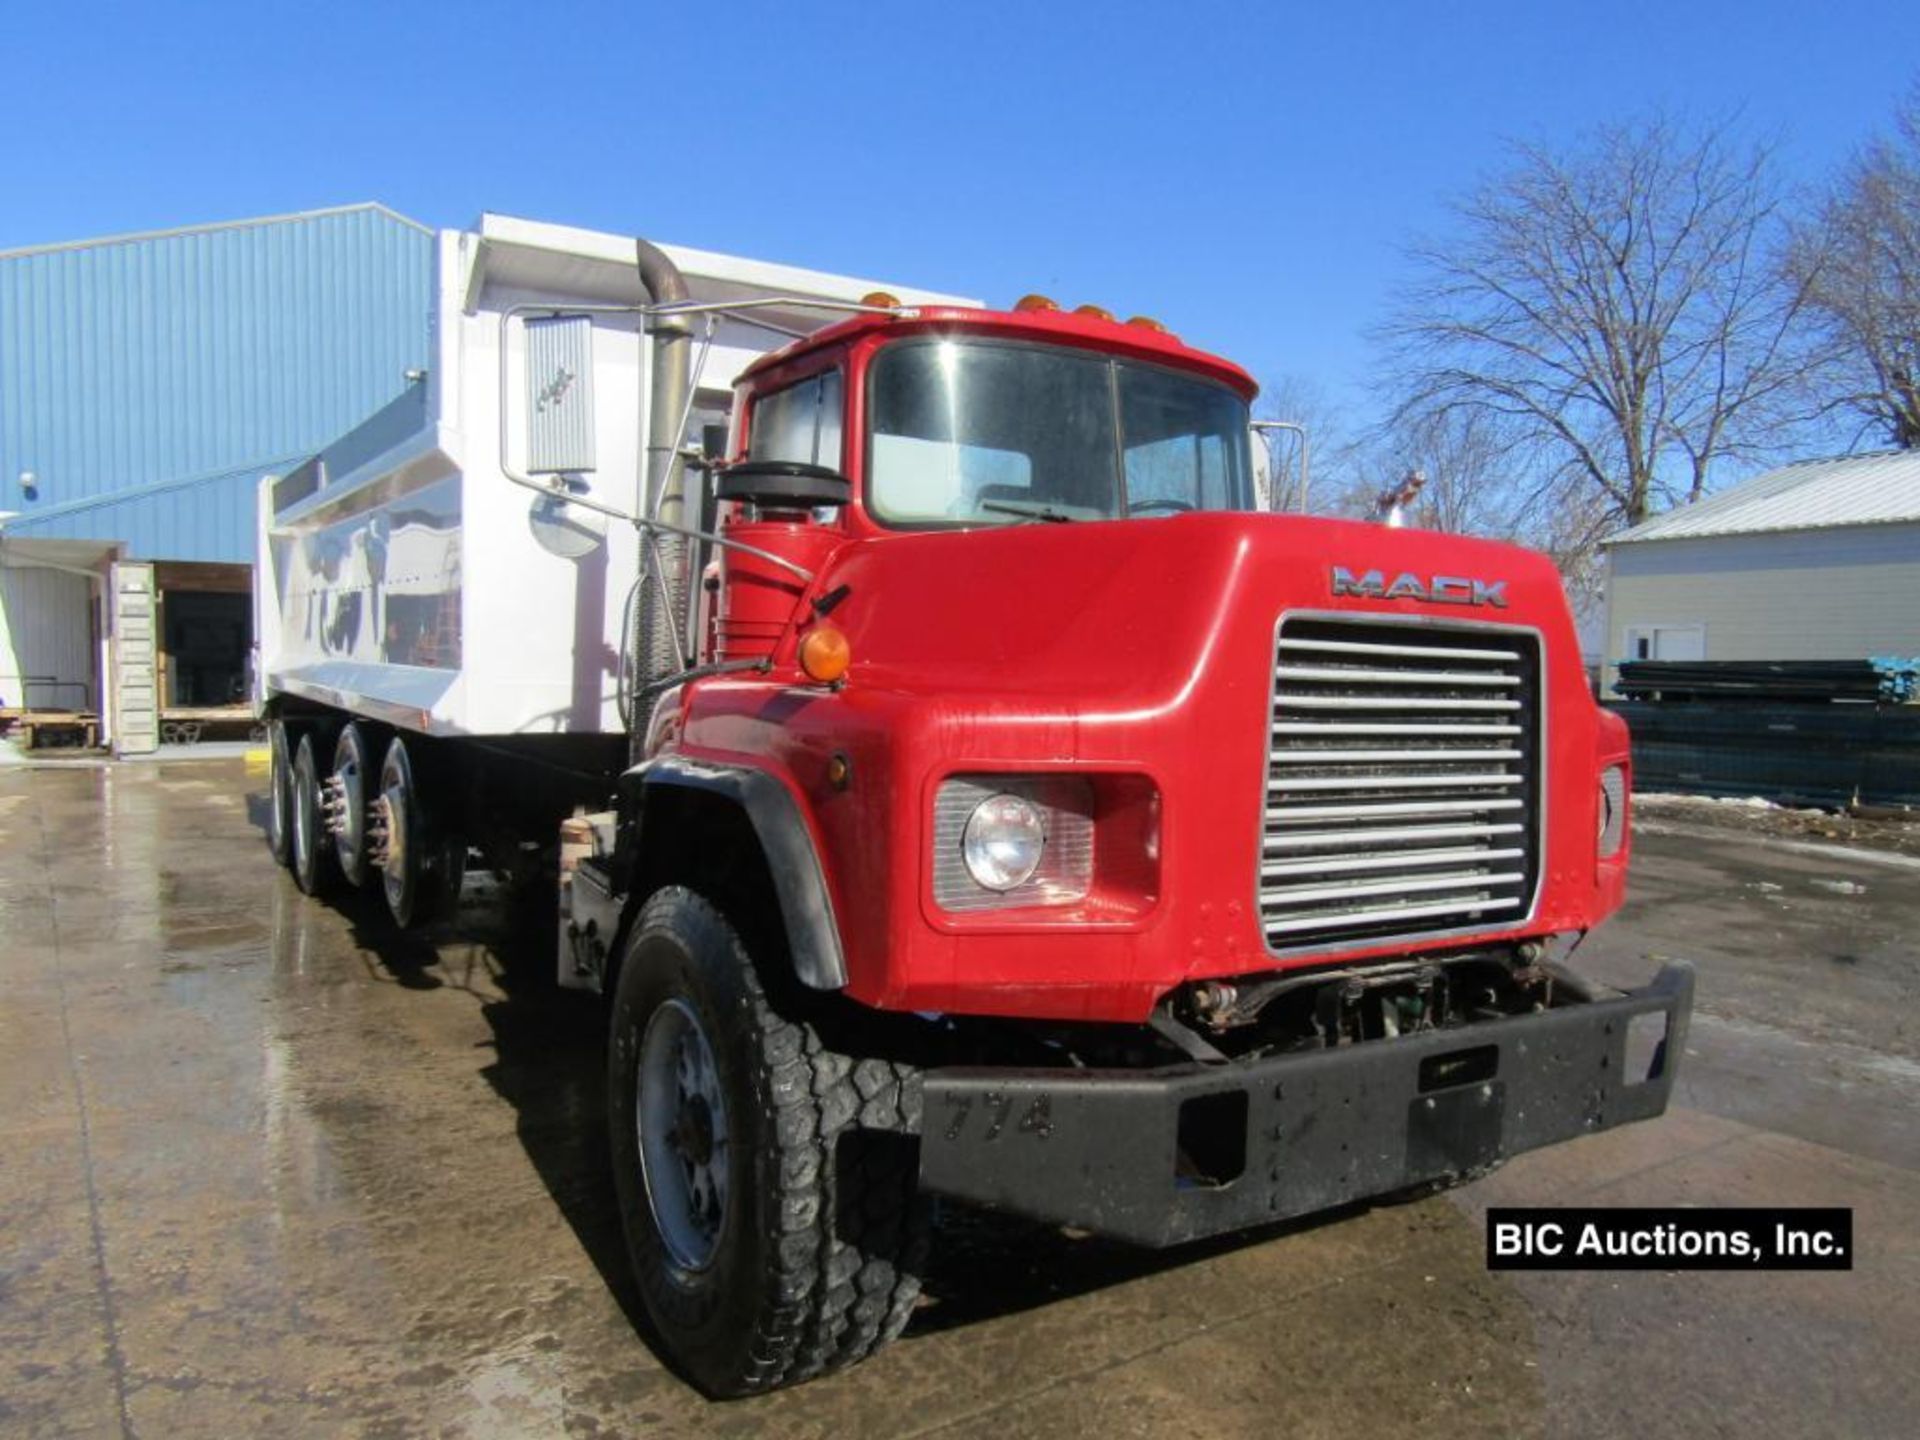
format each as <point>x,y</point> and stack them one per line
<point>402,575</point>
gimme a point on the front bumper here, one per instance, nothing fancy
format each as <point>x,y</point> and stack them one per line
<point>1162,1156</point>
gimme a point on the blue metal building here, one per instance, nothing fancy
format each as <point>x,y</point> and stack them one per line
<point>148,381</point>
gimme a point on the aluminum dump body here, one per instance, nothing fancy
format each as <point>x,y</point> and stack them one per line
<point>404,577</point>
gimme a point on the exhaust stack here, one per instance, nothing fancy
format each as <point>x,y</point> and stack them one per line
<point>661,599</point>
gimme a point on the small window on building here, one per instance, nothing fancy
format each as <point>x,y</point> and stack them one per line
<point>1685,641</point>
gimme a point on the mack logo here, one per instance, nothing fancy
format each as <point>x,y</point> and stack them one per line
<point>1440,590</point>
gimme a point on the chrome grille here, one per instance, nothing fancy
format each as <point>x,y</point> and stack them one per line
<point>1402,781</point>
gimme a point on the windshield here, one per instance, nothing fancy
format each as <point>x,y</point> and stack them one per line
<point>986,432</point>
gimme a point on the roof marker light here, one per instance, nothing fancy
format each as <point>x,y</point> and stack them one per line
<point>1098,312</point>
<point>1147,322</point>
<point>880,300</point>
<point>1029,304</point>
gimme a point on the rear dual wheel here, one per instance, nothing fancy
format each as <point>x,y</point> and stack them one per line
<point>424,866</point>
<point>279,794</point>
<point>351,786</point>
<point>316,863</point>
<point>382,826</point>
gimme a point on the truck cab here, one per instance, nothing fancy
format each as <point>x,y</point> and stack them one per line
<point>1231,742</point>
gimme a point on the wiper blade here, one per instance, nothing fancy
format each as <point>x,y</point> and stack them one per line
<point>1028,512</point>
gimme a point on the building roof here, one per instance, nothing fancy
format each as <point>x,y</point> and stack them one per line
<point>1877,489</point>
<point>251,222</point>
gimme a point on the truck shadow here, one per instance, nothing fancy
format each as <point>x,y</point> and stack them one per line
<point>549,1063</point>
<point>548,1052</point>
<point>986,1266</point>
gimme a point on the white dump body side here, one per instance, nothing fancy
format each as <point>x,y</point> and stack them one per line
<point>399,574</point>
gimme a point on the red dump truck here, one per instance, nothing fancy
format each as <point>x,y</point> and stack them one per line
<point>1005,809</point>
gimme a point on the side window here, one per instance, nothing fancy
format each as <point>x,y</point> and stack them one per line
<point>801,422</point>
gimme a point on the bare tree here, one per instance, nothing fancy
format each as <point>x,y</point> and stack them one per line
<point>1618,311</point>
<point>1485,475</point>
<point>1469,464</point>
<point>1860,263</point>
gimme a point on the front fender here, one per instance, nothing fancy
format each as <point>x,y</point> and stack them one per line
<point>799,883</point>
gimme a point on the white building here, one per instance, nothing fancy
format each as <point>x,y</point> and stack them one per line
<point>1816,561</point>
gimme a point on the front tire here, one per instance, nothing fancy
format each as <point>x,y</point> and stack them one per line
<point>766,1182</point>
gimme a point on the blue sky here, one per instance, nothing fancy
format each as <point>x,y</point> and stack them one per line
<point>1244,172</point>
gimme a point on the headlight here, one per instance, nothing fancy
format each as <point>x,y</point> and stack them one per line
<point>1613,810</point>
<point>1006,842</point>
<point>1003,842</point>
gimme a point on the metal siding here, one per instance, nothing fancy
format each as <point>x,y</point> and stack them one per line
<point>1824,594</point>
<point>45,630</point>
<point>206,355</point>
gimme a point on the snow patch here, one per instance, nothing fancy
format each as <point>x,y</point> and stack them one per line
<point>1841,887</point>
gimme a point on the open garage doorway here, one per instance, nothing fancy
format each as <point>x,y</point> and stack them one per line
<point>205,629</point>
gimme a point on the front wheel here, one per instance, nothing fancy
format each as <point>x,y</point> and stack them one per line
<point>766,1182</point>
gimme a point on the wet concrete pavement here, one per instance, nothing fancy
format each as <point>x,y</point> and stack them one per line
<point>265,1167</point>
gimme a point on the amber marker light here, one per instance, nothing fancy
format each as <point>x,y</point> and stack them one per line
<point>825,655</point>
<point>1147,322</point>
<point>881,300</point>
<point>1028,304</point>
<point>1098,312</point>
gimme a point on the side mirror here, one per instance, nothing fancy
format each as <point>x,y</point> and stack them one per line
<point>784,484</point>
<point>1263,431</point>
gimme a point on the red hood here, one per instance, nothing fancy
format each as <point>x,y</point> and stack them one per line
<point>1129,611</point>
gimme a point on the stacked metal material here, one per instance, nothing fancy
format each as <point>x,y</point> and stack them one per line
<point>1793,753</point>
<point>1899,678</point>
<point>1888,680</point>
